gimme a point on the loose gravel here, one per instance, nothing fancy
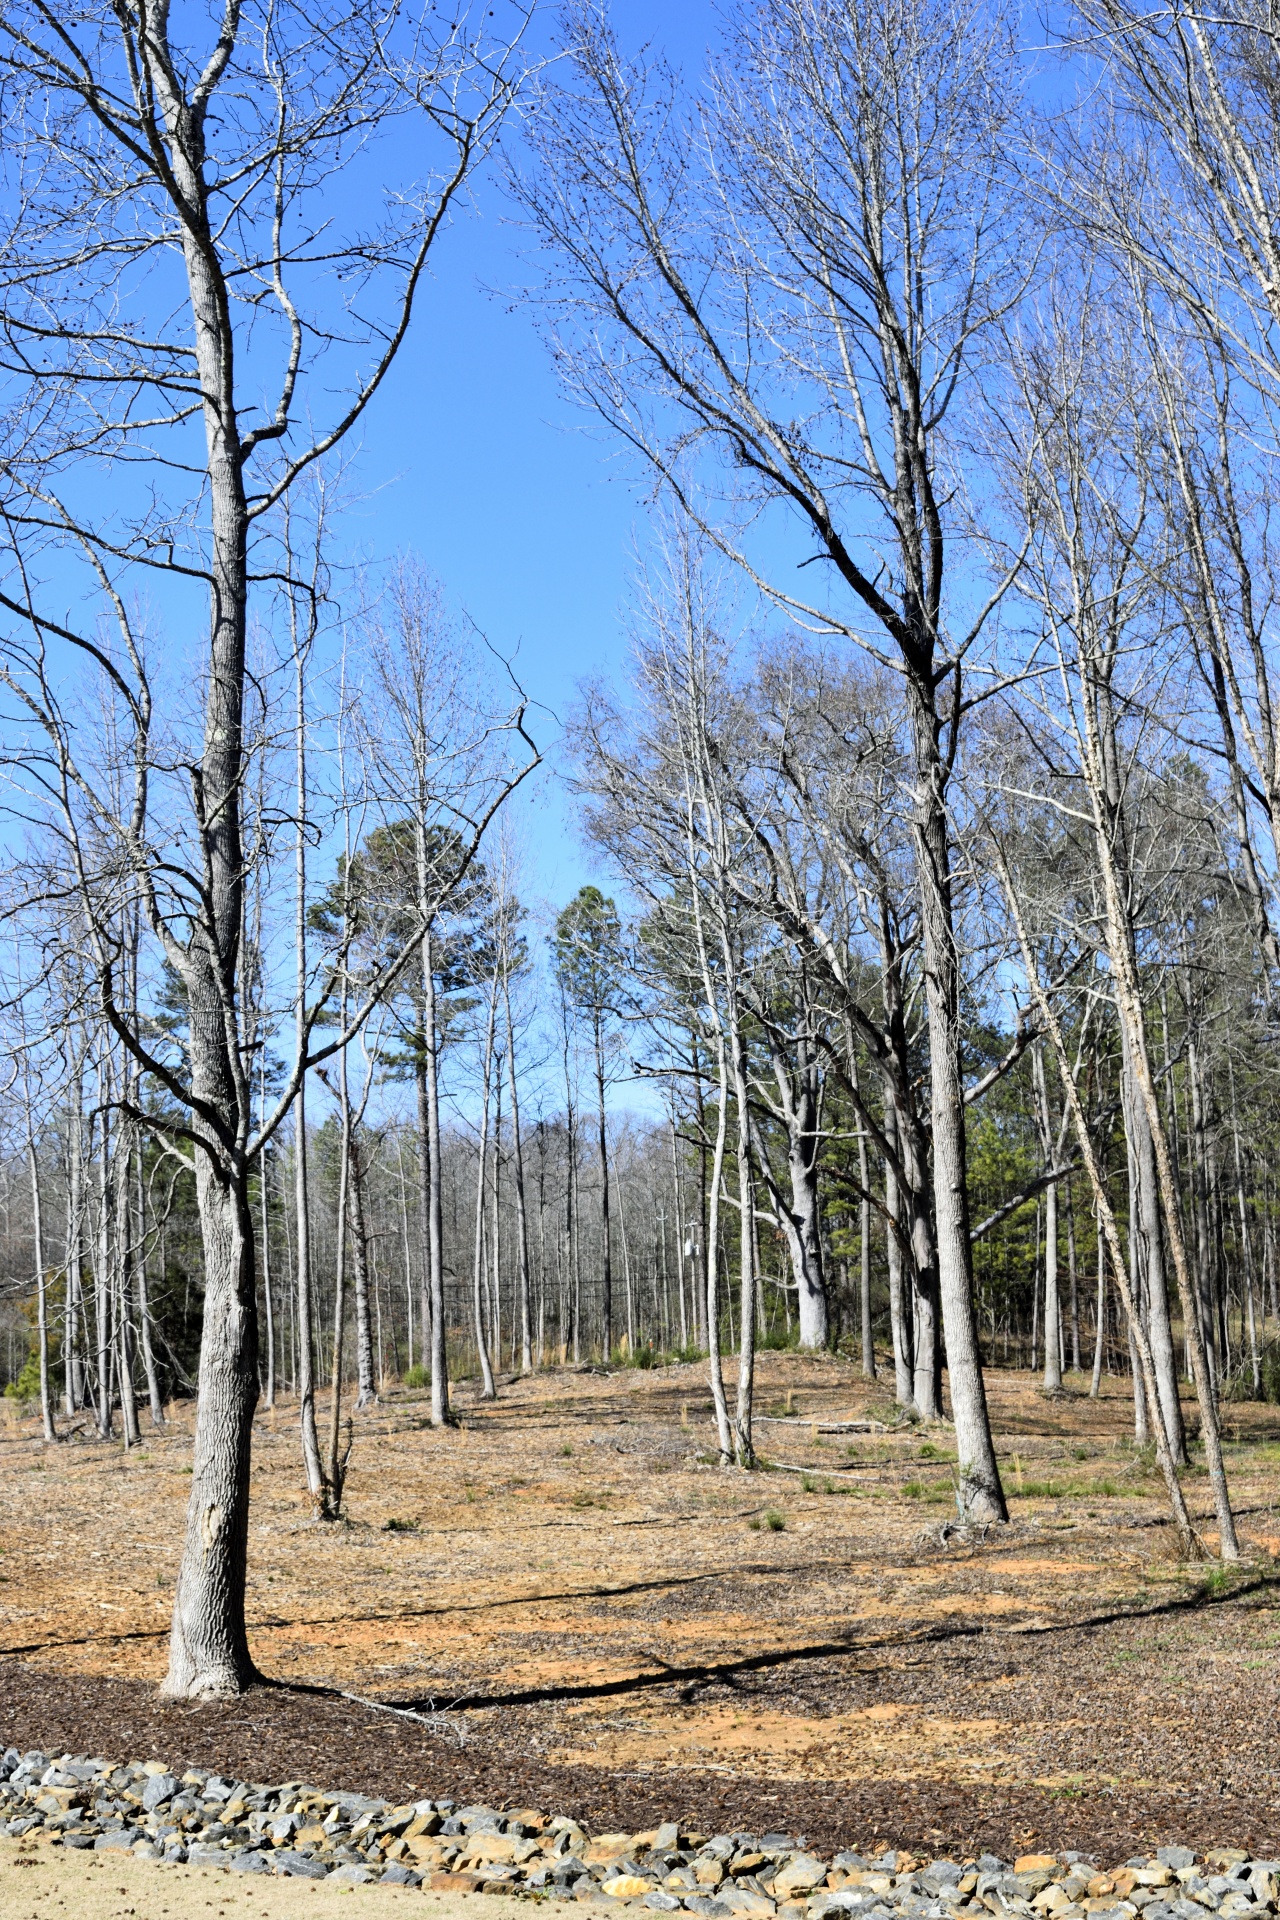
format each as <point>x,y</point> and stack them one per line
<point>203,1819</point>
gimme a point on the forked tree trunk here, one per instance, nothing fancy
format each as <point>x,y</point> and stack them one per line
<point>1146,1227</point>
<point>488,1391</point>
<point>801,1222</point>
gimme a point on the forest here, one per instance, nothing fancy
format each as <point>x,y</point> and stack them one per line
<point>923,1008</point>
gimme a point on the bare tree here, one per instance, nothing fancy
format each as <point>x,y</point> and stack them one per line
<point>793,283</point>
<point>1095,569</point>
<point>196,177</point>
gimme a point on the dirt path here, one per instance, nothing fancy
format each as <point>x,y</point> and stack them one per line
<point>588,1611</point>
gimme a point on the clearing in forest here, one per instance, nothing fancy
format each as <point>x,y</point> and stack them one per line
<point>585,1613</point>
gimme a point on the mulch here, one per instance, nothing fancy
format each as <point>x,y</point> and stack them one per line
<point>277,1733</point>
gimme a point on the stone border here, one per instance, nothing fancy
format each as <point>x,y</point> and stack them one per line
<point>199,1818</point>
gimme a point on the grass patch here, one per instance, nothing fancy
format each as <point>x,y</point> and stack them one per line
<point>771,1521</point>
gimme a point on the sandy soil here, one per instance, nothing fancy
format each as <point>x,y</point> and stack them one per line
<point>43,1883</point>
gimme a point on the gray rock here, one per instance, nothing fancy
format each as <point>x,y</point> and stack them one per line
<point>299,1866</point>
<point>78,1840</point>
<point>939,1874</point>
<point>1175,1857</point>
<point>159,1788</point>
<point>398,1875</point>
<point>118,1840</point>
<point>250,1861</point>
<point>704,1904</point>
<point>662,1902</point>
<point>198,1856</point>
<point>350,1876</point>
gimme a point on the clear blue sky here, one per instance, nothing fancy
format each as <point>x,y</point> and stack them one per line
<point>498,482</point>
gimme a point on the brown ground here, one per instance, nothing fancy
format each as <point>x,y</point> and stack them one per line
<point>36,1881</point>
<point>584,1615</point>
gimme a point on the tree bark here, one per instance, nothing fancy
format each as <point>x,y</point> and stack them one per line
<point>606,1247</point>
<point>441,1416</point>
<point>366,1373</point>
<point>522,1224</point>
<point>209,1655</point>
<point>1052,1304</point>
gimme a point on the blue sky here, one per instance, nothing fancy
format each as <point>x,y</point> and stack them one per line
<point>500,485</point>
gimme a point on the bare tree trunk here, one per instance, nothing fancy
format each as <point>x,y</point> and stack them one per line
<point>711,1253</point>
<point>209,1649</point>
<point>1052,1307</point>
<point>864,1244</point>
<point>1106,1217</point>
<point>744,1451</point>
<point>304,1308</point>
<point>440,1412</point>
<point>901,1330</point>
<point>680,1228</point>
<point>522,1224</point>
<point>711,1266</point>
<point>335,1468</point>
<point>1128,999</point>
<point>980,1496</point>
<point>488,1389</point>
<point>265,1207</point>
<point>606,1247</point>
<point>124,1282</point>
<point>1246,1246</point>
<point>1155,1295</point>
<point>1100,1326</point>
<point>102,1289</point>
<point>155,1401</point>
<point>42,1304</point>
<point>366,1376</point>
<point>1073,1279</point>
<point>1204,1249</point>
<point>73,1385</point>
